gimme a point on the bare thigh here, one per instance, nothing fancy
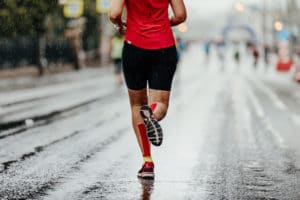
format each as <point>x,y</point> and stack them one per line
<point>161,98</point>
<point>137,98</point>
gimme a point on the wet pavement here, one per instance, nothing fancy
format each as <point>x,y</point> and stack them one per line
<point>228,135</point>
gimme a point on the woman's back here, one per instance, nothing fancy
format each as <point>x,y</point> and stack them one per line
<point>148,24</point>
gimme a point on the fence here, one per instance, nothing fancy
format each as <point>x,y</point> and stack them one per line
<point>24,51</point>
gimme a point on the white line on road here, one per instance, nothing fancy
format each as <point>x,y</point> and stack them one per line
<point>276,100</point>
<point>262,115</point>
<point>296,119</point>
<point>273,96</point>
<point>33,93</point>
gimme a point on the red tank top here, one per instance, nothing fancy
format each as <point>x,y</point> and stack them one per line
<point>148,24</point>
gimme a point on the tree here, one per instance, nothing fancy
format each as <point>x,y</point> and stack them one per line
<point>91,32</point>
<point>34,18</point>
<point>25,17</point>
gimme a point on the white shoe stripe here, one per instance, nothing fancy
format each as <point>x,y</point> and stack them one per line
<point>155,132</point>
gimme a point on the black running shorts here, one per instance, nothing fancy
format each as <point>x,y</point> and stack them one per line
<point>155,67</point>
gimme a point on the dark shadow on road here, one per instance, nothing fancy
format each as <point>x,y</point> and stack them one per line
<point>147,188</point>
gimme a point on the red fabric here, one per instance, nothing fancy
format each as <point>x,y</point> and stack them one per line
<point>153,106</point>
<point>145,142</point>
<point>148,166</point>
<point>148,24</point>
<point>284,66</point>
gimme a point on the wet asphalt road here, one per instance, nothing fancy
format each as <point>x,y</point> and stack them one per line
<point>228,135</point>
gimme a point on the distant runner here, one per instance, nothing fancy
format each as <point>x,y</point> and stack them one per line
<point>207,51</point>
<point>255,55</point>
<point>149,58</point>
<point>116,55</point>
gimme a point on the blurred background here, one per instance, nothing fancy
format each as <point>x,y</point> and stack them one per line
<point>232,130</point>
<point>48,35</point>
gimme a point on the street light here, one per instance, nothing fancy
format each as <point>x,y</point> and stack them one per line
<point>102,6</point>
<point>278,26</point>
<point>239,7</point>
<point>73,8</point>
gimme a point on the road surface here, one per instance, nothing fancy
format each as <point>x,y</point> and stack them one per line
<point>229,134</point>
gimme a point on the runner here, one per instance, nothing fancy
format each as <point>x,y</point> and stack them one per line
<point>116,56</point>
<point>149,58</point>
<point>221,53</point>
<point>237,57</point>
<point>297,64</point>
<point>207,51</point>
<point>255,55</point>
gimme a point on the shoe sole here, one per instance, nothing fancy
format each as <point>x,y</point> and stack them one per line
<point>146,175</point>
<point>154,130</point>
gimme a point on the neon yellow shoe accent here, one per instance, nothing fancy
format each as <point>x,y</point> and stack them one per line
<point>148,159</point>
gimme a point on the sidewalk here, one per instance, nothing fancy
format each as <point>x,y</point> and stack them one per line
<point>20,71</point>
<point>27,77</point>
<point>31,70</point>
<point>39,99</point>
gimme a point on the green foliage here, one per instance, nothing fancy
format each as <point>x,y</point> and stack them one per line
<point>36,17</point>
<point>90,36</point>
<point>25,17</point>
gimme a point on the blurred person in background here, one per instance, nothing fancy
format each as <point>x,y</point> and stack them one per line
<point>267,51</point>
<point>73,35</point>
<point>117,43</point>
<point>237,57</point>
<point>221,53</point>
<point>180,46</point>
<point>255,55</point>
<point>149,58</point>
<point>207,51</point>
<point>297,64</point>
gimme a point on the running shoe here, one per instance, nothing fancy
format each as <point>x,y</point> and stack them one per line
<point>154,130</point>
<point>147,171</point>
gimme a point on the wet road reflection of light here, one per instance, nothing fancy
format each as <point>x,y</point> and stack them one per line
<point>147,188</point>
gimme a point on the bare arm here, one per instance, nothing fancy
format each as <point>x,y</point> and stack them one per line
<point>115,14</point>
<point>179,11</point>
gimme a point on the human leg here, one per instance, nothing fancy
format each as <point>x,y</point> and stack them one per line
<point>153,113</point>
<point>159,102</point>
<point>135,73</point>
<point>160,80</point>
<point>137,99</point>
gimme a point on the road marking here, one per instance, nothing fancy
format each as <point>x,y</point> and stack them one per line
<point>243,116</point>
<point>277,101</point>
<point>297,96</point>
<point>49,90</point>
<point>262,115</point>
<point>273,96</point>
<point>296,119</point>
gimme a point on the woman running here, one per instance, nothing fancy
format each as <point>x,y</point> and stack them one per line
<point>149,63</point>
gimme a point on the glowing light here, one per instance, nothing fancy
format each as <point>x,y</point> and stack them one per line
<point>278,26</point>
<point>239,7</point>
<point>102,6</point>
<point>73,8</point>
